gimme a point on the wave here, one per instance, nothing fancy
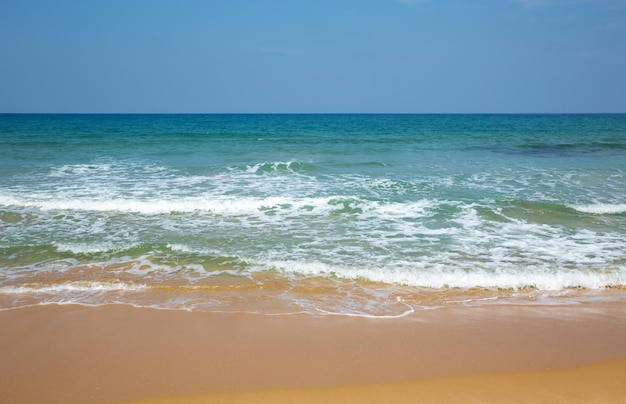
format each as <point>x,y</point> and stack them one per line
<point>282,166</point>
<point>441,277</point>
<point>79,286</point>
<point>221,205</point>
<point>90,248</point>
<point>601,208</point>
<point>105,169</point>
<point>309,287</point>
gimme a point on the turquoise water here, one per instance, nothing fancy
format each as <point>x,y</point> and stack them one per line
<point>351,214</point>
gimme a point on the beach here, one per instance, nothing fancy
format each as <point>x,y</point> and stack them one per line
<point>399,201</point>
<point>312,257</point>
<point>118,353</point>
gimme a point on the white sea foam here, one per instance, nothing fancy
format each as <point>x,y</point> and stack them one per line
<point>601,208</point>
<point>71,287</point>
<point>184,248</point>
<point>275,166</point>
<point>89,248</point>
<point>395,210</point>
<point>224,205</point>
<point>79,169</point>
<point>97,170</point>
<point>438,276</point>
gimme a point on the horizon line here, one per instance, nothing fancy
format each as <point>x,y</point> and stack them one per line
<point>312,113</point>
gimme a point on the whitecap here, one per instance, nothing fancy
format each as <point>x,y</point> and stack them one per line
<point>601,208</point>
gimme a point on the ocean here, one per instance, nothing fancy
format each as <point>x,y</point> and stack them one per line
<point>366,215</point>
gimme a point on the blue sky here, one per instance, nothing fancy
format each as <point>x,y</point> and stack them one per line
<point>423,56</point>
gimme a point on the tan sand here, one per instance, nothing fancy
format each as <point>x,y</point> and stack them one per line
<point>75,354</point>
<point>602,383</point>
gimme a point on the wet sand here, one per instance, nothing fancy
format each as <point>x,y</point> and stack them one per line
<point>76,354</point>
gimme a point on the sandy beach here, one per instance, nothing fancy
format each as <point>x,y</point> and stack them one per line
<point>115,353</point>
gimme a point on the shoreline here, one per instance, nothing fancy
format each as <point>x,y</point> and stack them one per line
<point>119,353</point>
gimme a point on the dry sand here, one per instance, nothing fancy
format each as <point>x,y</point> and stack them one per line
<point>602,383</point>
<point>75,354</point>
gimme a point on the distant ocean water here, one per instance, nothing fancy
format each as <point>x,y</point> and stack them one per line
<point>375,215</point>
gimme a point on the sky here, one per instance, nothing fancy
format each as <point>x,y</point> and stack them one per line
<point>313,56</point>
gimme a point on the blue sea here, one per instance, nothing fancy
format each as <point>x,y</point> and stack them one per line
<point>368,215</point>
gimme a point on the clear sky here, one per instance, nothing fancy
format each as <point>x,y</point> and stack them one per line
<point>424,56</point>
